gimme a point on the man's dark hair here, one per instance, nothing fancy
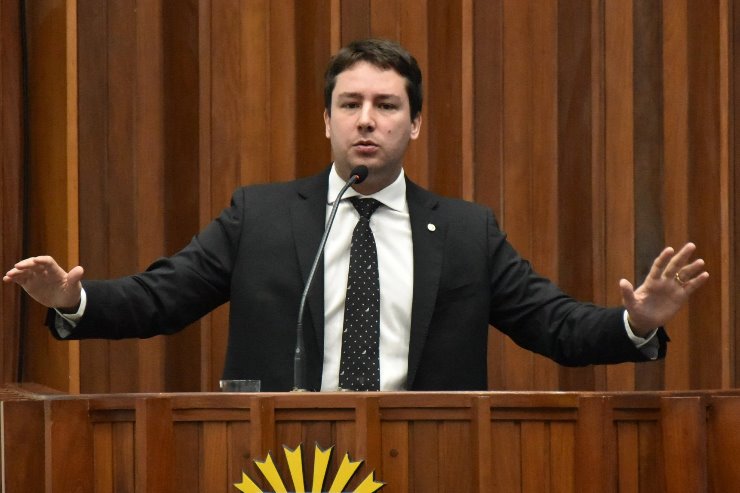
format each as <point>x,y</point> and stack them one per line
<point>383,54</point>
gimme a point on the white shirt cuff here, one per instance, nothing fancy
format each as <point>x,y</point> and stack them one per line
<point>648,345</point>
<point>73,318</point>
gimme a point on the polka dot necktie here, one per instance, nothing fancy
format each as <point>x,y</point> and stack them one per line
<point>359,368</point>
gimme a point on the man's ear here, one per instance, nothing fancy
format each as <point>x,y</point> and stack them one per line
<point>327,124</point>
<point>415,127</point>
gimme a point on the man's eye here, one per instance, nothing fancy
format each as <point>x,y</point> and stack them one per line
<point>387,106</point>
<point>350,105</point>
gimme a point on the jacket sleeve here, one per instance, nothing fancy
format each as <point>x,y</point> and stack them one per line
<point>172,293</point>
<point>538,316</point>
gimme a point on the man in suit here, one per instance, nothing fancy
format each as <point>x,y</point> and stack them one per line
<point>444,269</point>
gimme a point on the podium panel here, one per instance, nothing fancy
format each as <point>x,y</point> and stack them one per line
<point>411,442</point>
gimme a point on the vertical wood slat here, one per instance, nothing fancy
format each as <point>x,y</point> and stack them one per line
<point>506,459</point>
<point>367,427</point>
<point>154,446</point>
<point>262,426</point>
<point>619,166</point>
<point>648,156</point>
<point>68,447</point>
<point>51,87</point>
<point>535,456</point>
<point>208,349</point>
<point>444,161</point>
<point>596,455</point>
<point>467,96</point>
<point>705,190</point>
<point>517,144</point>
<point>562,454</point>
<point>396,456</point>
<point>684,435</point>
<point>12,183</point>
<point>187,457</point>
<point>414,35</point>
<point>576,135</point>
<point>628,440</point>
<point>676,165</point>
<point>424,467</point>
<point>124,455</point>
<point>219,166</point>
<point>93,154</point>
<point>651,458</point>
<point>103,467</point>
<point>72,177</point>
<point>724,445</point>
<point>481,448</point>
<point>734,166</point>
<point>727,192</point>
<point>119,176</point>
<point>180,359</point>
<point>285,92</point>
<point>149,157</point>
<point>22,429</point>
<point>213,459</point>
<point>311,32</point>
<point>455,446</point>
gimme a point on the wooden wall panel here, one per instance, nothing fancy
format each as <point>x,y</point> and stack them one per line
<point>529,114</point>
<point>596,130</point>
<point>574,261</point>
<point>733,260</point>
<point>11,182</point>
<point>52,176</point>
<point>676,164</point>
<point>648,156</point>
<point>543,442</point>
<point>138,170</point>
<point>705,194</point>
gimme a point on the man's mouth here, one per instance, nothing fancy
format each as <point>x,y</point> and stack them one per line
<point>365,146</point>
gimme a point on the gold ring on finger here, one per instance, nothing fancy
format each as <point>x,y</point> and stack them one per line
<point>680,281</point>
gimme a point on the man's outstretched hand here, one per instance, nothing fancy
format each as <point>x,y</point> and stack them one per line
<point>666,289</point>
<point>47,283</point>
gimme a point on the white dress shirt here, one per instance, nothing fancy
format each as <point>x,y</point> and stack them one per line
<point>392,231</point>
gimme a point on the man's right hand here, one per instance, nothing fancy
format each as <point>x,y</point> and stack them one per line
<point>47,283</point>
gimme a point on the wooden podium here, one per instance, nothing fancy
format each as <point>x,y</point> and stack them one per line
<point>414,442</point>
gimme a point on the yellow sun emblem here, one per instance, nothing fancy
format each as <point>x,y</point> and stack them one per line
<point>295,464</point>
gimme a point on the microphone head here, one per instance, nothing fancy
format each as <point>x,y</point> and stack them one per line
<point>360,172</point>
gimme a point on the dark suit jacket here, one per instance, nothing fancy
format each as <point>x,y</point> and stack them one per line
<point>257,255</point>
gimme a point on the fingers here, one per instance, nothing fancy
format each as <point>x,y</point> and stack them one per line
<point>696,282</point>
<point>75,275</point>
<point>31,267</point>
<point>669,263</point>
<point>661,262</point>
<point>627,291</point>
<point>679,261</point>
<point>691,270</point>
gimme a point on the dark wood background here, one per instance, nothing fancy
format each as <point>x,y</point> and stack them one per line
<point>598,131</point>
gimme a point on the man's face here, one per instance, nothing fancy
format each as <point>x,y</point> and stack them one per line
<point>370,124</point>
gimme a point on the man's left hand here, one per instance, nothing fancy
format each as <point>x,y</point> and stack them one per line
<point>666,289</point>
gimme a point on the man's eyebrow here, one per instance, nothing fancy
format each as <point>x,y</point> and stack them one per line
<point>360,95</point>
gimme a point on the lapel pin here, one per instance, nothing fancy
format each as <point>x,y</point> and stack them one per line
<point>431,227</point>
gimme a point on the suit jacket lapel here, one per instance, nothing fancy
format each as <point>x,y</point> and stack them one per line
<point>428,235</point>
<point>308,215</point>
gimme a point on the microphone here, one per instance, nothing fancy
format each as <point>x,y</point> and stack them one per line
<point>358,175</point>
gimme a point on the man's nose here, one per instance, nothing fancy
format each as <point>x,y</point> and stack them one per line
<point>366,118</point>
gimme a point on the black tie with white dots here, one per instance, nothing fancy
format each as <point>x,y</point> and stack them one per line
<point>359,368</point>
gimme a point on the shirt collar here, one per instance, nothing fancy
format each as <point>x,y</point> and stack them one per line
<point>392,196</point>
